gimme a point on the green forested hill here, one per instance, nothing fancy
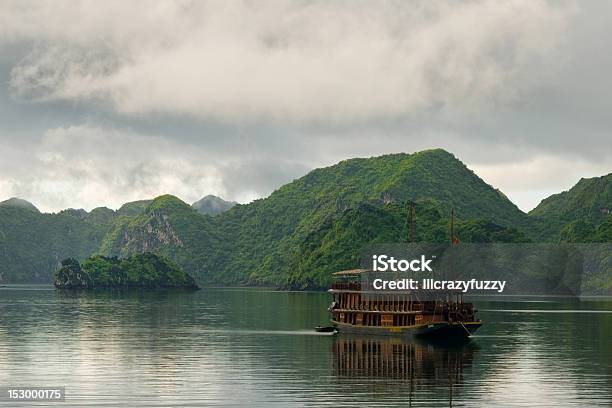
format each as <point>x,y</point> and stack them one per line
<point>19,203</point>
<point>579,210</point>
<point>336,243</point>
<point>304,230</point>
<point>133,208</point>
<point>170,227</point>
<point>32,244</point>
<point>277,226</point>
<point>260,242</point>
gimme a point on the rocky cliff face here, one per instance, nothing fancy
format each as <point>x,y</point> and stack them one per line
<point>71,276</point>
<point>168,227</point>
<point>156,234</point>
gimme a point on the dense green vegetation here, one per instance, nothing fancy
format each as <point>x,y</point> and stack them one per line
<point>589,203</point>
<point>336,244</point>
<point>583,231</point>
<point>32,244</point>
<point>306,229</point>
<point>144,270</point>
<point>266,234</point>
<point>133,208</point>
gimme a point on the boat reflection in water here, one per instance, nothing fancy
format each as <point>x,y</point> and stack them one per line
<point>408,369</point>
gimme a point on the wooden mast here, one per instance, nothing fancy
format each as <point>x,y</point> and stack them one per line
<point>452,227</point>
<point>452,236</point>
<point>410,221</point>
<point>454,240</point>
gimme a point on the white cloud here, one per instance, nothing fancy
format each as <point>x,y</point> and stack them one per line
<point>527,182</point>
<point>299,61</point>
<point>92,165</point>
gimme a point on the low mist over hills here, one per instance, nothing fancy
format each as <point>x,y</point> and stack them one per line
<point>306,229</point>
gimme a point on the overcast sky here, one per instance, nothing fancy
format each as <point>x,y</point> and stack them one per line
<point>104,102</point>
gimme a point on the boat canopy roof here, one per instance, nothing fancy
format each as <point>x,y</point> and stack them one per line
<point>350,272</point>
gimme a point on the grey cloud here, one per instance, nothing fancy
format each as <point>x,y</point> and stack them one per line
<point>99,107</point>
<point>338,61</point>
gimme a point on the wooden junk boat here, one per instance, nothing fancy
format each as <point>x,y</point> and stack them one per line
<point>355,310</point>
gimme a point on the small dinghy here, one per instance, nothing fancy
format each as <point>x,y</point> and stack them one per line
<point>325,329</point>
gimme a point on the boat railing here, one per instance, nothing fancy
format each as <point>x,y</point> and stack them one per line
<point>346,286</point>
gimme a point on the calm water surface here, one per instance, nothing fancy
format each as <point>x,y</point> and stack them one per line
<point>256,347</point>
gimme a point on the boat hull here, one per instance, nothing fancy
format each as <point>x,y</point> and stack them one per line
<point>437,330</point>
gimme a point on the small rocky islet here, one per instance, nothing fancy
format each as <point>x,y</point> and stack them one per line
<point>142,271</point>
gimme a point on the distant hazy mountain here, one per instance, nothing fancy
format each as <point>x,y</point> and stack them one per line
<point>307,228</point>
<point>19,203</point>
<point>212,205</point>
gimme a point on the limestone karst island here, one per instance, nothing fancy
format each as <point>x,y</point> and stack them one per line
<point>143,271</point>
